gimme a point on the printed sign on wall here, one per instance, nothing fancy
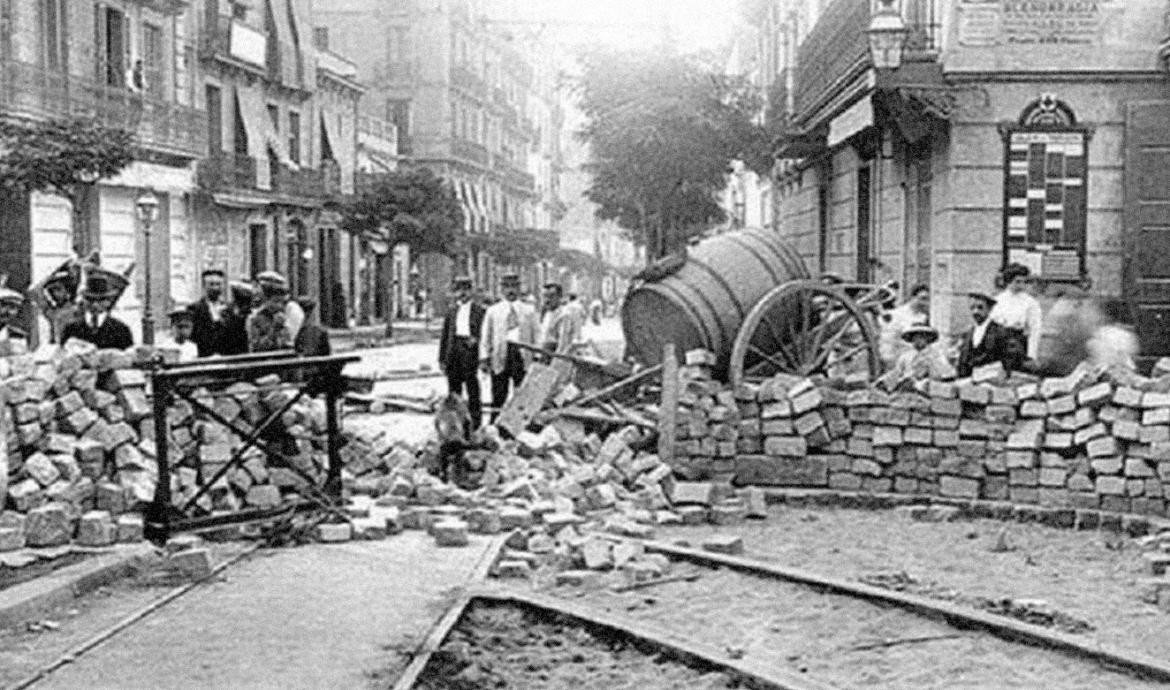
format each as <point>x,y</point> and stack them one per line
<point>1032,22</point>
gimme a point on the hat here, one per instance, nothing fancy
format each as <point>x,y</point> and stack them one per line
<point>975,294</point>
<point>7,294</point>
<point>461,282</point>
<point>180,314</point>
<point>272,283</point>
<point>510,279</point>
<point>102,283</point>
<point>213,272</point>
<point>920,329</point>
<point>308,304</point>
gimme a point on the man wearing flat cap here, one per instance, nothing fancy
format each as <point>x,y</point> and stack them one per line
<point>12,339</point>
<point>986,342</point>
<point>268,325</point>
<point>294,315</point>
<point>459,346</point>
<point>95,324</point>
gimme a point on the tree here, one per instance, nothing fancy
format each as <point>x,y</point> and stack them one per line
<point>413,207</point>
<point>662,130</point>
<point>518,246</point>
<point>64,157</point>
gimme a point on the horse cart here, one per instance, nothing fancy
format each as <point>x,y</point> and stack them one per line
<point>748,298</point>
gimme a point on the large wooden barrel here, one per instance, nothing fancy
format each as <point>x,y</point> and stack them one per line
<point>703,303</point>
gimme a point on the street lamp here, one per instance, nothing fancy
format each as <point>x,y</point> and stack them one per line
<point>147,211</point>
<point>887,36</point>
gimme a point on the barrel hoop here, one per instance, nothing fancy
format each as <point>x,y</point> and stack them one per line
<point>759,257</point>
<point>787,258</point>
<point>719,280</point>
<point>695,315</point>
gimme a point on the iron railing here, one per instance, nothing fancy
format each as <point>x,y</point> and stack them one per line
<point>32,91</point>
<point>470,151</point>
<point>228,172</point>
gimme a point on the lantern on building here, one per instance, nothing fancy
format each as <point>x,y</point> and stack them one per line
<point>887,35</point>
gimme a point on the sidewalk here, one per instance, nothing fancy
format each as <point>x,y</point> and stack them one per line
<point>320,616</point>
<point>361,337</point>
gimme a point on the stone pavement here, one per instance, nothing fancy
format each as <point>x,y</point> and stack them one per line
<point>318,616</point>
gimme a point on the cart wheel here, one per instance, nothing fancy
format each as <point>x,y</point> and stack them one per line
<point>804,328</point>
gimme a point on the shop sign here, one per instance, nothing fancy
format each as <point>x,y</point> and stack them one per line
<point>1032,22</point>
<point>855,118</point>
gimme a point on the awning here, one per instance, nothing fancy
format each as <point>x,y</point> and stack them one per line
<point>461,194</point>
<point>479,209</point>
<point>252,111</point>
<point>854,119</point>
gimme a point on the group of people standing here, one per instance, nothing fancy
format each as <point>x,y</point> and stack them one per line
<point>230,318</point>
<point>501,338</point>
<point>1008,328</point>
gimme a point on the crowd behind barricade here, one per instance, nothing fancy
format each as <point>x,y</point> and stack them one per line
<point>231,318</point>
<point>1008,327</point>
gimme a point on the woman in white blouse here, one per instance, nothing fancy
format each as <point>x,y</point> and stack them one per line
<point>1020,315</point>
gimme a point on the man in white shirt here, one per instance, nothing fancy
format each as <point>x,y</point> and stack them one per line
<point>915,312</point>
<point>459,347</point>
<point>559,329</point>
<point>182,328</point>
<point>1020,315</point>
<point>506,322</point>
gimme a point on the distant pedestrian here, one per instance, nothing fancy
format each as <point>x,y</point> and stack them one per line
<point>986,342</point>
<point>235,319</point>
<point>507,323</point>
<point>95,324</point>
<point>459,347</point>
<point>915,312</point>
<point>208,314</point>
<point>312,340</point>
<point>182,330</point>
<point>1020,314</point>
<point>267,325</point>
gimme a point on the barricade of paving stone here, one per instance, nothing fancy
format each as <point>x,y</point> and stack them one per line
<point>81,450</point>
<point>1096,439</point>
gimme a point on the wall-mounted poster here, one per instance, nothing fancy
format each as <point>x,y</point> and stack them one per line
<point>1032,22</point>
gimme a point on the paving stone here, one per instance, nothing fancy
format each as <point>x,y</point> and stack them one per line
<point>513,569</point>
<point>194,564</point>
<point>724,544</point>
<point>334,532</point>
<point>96,528</point>
<point>130,529</point>
<point>49,525</point>
<point>451,533</point>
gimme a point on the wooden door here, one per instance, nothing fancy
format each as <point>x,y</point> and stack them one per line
<point>1146,270</point>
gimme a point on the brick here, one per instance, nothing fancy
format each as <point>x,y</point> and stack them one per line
<point>1058,441</point>
<point>1136,467</point>
<point>918,436</point>
<point>808,423</point>
<point>1079,482</point>
<point>194,564</point>
<point>96,528</point>
<point>1089,433</point>
<point>866,467</point>
<point>887,436</point>
<point>785,446</point>
<point>1110,486</point>
<point>1023,494</point>
<point>810,471</point>
<point>1034,408</point>
<point>972,449</point>
<point>127,378</point>
<point>777,427</point>
<point>1115,504</point>
<point>39,467</point>
<point>995,488</point>
<point>724,544</point>
<point>1022,477</point>
<point>844,481</point>
<point>1152,399</point>
<point>1102,447</point>
<point>977,394</point>
<point>1015,459</point>
<point>1160,415</point>
<point>1065,404</point>
<point>48,525</point>
<point>1022,440</point>
<point>860,447</point>
<point>1126,430</point>
<point>1112,465</point>
<point>1052,476</point>
<point>1095,394</point>
<point>946,438</point>
<point>946,408</point>
<point>807,401</point>
<point>959,487</point>
<point>1154,434</point>
<point>775,410</point>
<point>1127,397</point>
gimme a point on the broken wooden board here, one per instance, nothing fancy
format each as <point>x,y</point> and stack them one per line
<point>668,408</point>
<point>538,386</point>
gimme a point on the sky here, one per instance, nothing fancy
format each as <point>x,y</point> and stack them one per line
<point>698,24</point>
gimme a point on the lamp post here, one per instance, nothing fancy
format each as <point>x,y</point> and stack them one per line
<point>887,36</point>
<point>147,208</point>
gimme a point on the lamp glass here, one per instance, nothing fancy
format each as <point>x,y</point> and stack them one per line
<point>887,36</point>
<point>147,207</point>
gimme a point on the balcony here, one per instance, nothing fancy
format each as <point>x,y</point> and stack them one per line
<point>30,91</point>
<point>517,179</point>
<point>470,151</point>
<point>468,81</point>
<point>335,64</point>
<point>835,47</point>
<point>378,135</point>
<point>228,172</point>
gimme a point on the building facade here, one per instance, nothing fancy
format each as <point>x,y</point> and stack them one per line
<point>282,131</point>
<point>1008,132</point>
<point>126,64</point>
<point>465,94</point>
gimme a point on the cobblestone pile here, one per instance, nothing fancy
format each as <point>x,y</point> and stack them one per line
<point>1094,439</point>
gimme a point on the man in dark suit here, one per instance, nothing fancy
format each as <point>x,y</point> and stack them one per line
<point>13,340</point>
<point>209,315</point>
<point>986,342</point>
<point>459,347</point>
<point>96,325</point>
<point>312,340</point>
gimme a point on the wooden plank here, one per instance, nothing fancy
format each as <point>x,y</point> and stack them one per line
<point>668,409</point>
<point>538,386</point>
<point>620,385</point>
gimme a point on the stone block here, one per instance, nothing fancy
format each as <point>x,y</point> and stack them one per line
<point>96,528</point>
<point>1112,486</point>
<point>844,481</point>
<point>785,446</point>
<point>513,568</point>
<point>49,525</point>
<point>959,487</point>
<point>450,533</point>
<point>129,529</point>
<point>334,532</point>
<point>193,564</point>
<point>724,544</point>
<point>39,467</point>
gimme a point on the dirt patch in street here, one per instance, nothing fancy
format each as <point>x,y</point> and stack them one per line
<point>502,646</point>
<point>1088,580</point>
<point>10,577</point>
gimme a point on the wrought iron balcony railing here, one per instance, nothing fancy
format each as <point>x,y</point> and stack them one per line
<point>470,151</point>
<point>31,91</point>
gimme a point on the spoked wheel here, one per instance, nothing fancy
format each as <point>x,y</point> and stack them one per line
<point>804,328</point>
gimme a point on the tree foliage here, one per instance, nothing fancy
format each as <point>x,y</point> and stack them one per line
<point>413,207</point>
<point>662,130</point>
<point>59,156</point>
<point>518,246</point>
<point>577,261</point>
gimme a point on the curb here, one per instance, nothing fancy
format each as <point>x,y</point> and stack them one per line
<point>28,599</point>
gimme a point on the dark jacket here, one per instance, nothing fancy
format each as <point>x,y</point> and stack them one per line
<point>994,348</point>
<point>112,334</point>
<point>447,339</point>
<point>312,341</point>
<point>235,332</point>
<point>207,334</point>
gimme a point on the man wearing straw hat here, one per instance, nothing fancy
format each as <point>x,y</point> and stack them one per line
<point>920,363</point>
<point>506,323</point>
<point>95,324</point>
